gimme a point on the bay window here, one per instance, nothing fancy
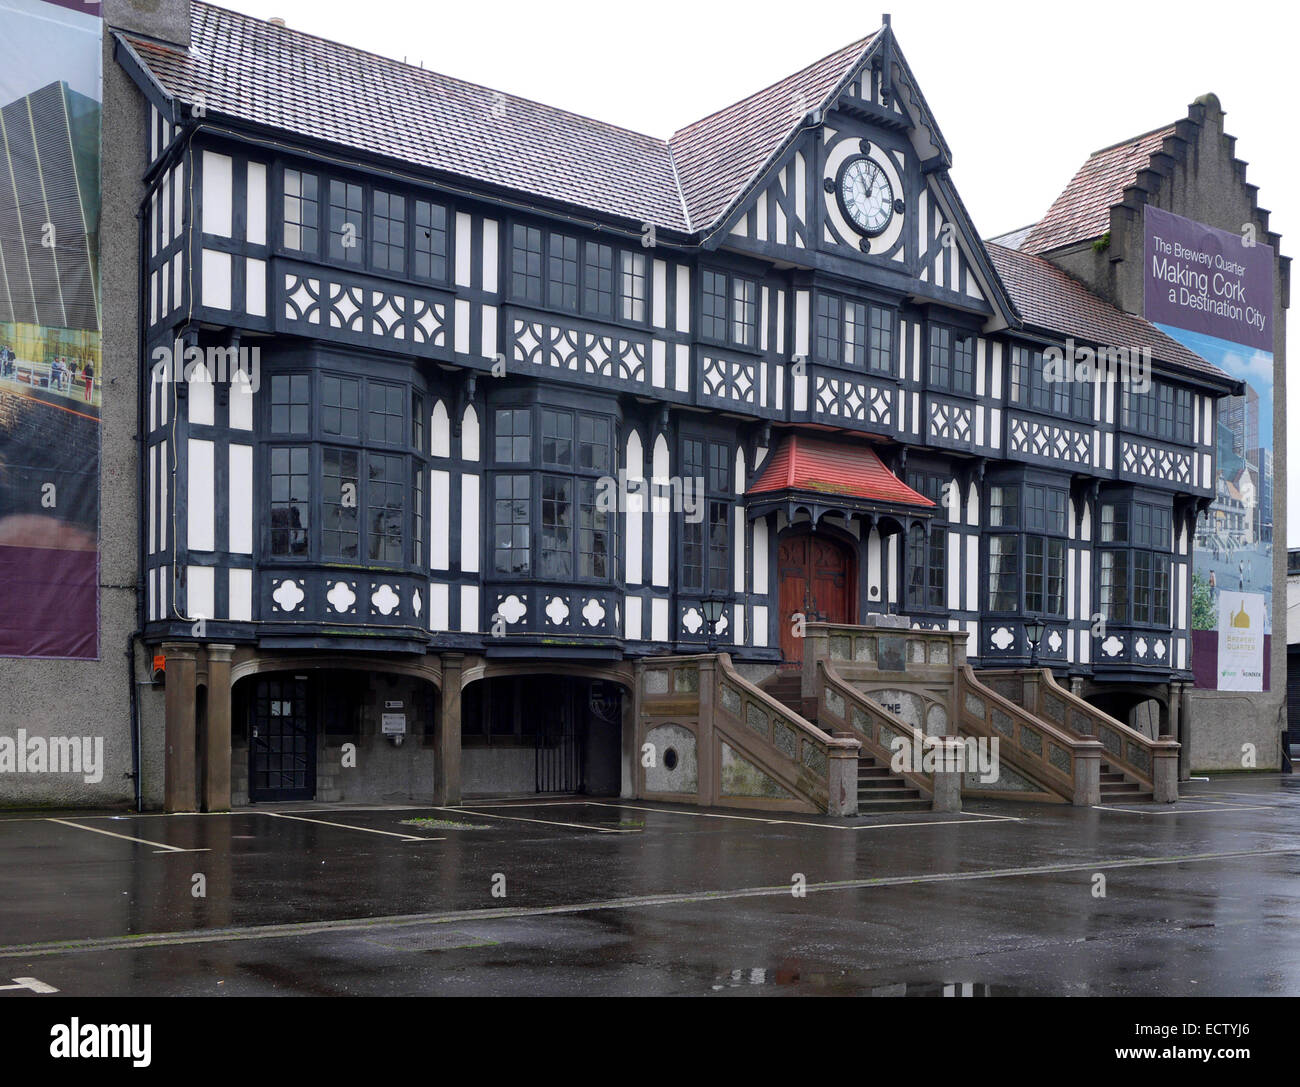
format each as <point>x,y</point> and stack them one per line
<point>706,539</point>
<point>575,527</point>
<point>1035,556</point>
<point>1134,581</point>
<point>343,494</point>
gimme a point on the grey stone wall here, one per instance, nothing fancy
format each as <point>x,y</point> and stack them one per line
<point>1208,185</point>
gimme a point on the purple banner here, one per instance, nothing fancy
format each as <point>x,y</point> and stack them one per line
<point>1209,281</point>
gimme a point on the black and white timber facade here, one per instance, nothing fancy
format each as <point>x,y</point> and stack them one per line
<point>471,312</point>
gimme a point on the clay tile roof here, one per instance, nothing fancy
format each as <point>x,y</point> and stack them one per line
<point>717,156</point>
<point>820,466</point>
<point>259,73</point>
<point>1053,301</point>
<point>1082,211</point>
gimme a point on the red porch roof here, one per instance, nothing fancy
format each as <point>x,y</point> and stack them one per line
<point>819,466</point>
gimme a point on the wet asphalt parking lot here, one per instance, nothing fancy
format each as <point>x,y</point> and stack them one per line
<point>570,896</point>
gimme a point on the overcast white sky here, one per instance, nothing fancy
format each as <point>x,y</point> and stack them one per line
<point>1022,91</point>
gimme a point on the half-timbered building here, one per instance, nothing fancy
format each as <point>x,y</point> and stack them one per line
<point>468,419</point>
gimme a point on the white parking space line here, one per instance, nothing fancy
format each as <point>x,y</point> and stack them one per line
<point>1189,811</point>
<point>348,826</point>
<point>975,817</point>
<point>543,822</point>
<point>163,847</point>
<point>32,984</point>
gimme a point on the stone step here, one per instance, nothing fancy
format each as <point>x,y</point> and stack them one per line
<point>882,807</point>
<point>870,796</point>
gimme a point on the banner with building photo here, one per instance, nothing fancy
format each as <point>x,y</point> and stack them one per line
<point>51,375</point>
<point>1212,291</point>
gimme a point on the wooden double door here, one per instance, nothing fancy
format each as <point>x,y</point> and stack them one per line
<point>818,579</point>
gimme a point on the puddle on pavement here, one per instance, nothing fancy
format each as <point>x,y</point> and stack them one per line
<point>839,981</point>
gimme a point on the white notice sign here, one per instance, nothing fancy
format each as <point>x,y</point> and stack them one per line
<point>394,724</point>
<point>1241,641</point>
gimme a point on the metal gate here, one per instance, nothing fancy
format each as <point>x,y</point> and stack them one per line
<point>281,741</point>
<point>559,750</point>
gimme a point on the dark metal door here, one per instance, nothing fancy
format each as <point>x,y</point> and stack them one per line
<point>559,750</point>
<point>281,741</point>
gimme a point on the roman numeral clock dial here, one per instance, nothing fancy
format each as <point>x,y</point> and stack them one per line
<point>865,196</point>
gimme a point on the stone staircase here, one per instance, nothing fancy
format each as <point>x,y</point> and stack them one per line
<point>880,792</point>
<point>787,688</point>
<point>1118,786</point>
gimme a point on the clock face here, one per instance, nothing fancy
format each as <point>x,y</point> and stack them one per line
<point>865,196</point>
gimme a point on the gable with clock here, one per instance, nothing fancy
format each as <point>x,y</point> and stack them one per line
<point>865,206</point>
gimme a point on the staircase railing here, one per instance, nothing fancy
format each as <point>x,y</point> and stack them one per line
<point>841,704</point>
<point>805,760</point>
<point>1053,763</point>
<point>1151,763</point>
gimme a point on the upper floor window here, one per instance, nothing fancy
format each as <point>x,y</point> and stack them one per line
<point>855,333</point>
<point>952,360</point>
<point>430,240</point>
<point>830,336</point>
<point>728,308</point>
<point>397,226</point>
<point>598,280</point>
<point>633,291</point>
<point>526,264</point>
<point>558,270</point>
<point>1057,391</point>
<point>562,272</point>
<point>744,310</point>
<point>347,217</point>
<point>388,232</point>
<point>301,212</point>
<point>1161,411</point>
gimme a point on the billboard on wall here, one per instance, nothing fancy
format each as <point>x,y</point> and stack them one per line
<point>1212,291</point>
<point>51,376</point>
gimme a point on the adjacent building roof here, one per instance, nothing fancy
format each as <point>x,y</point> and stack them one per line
<point>1082,211</point>
<point>258,72</point>
<point>1051,300</point>
<point>817,466</point>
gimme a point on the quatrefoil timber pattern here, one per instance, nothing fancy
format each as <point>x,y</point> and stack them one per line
<point>376,315</point>
<point>730,379</point>
<point>579,351</point>
<point>1048,440</point>
<point>846,399</point>
<point>1138,458</point>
